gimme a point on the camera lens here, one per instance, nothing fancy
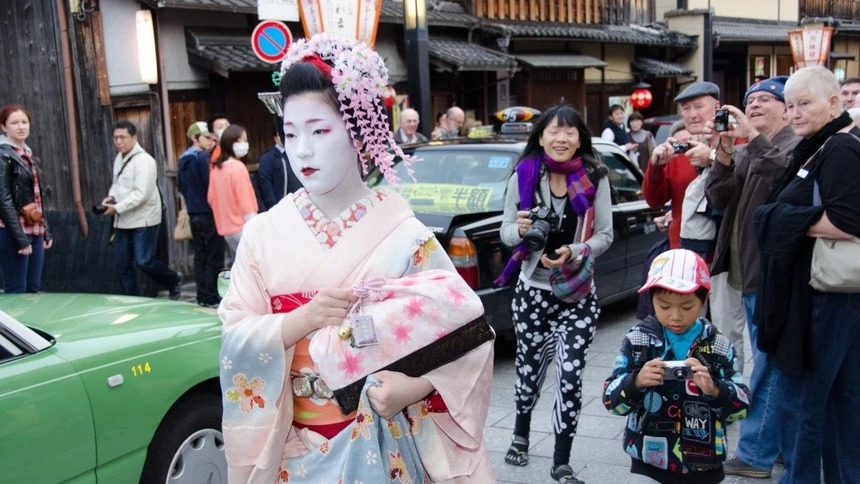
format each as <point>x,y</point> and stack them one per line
<point>536,236</point>
<point>680,373</point>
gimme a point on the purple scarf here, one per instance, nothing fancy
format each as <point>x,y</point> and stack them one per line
<point>580,191</point>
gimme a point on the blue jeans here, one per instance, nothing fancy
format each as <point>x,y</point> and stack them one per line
<point>21,273</point>
<point>759,436</point>
<point>829,398</point>
<point>136,247</point>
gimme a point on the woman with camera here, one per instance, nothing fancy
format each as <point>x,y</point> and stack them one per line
<point>24,232</point>
<point>558,216</point>
<point>231,194</point>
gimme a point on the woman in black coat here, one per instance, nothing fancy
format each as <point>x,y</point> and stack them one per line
<point>24,232</point>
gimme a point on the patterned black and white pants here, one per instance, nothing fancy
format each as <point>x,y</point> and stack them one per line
<point>548,328</point>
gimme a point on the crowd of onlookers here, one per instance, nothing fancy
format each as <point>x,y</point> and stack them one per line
<point>760,195</point>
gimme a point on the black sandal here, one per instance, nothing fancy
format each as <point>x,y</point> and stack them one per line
<point>518,452</point>
<point>563,474</point>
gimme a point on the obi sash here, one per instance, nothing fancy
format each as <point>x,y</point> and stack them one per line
<point>290,302</point>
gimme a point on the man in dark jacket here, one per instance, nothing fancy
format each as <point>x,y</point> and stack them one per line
<point>194,185</point>
<point>741,181</point>
<point>275,178</point>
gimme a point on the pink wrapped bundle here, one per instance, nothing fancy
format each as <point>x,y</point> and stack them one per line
<point>412,324</point>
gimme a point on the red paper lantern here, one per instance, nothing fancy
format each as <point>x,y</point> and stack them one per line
<point>389,97</point>
<point>641,98</point>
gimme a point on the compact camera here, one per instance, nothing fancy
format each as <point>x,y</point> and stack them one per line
<point>680,147</point>
<point>101,209</point>
<point>678,370</point>
<point>543,220</point>
<point>721,120</point>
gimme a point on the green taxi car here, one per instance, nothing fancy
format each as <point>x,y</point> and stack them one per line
<point>109,389</point>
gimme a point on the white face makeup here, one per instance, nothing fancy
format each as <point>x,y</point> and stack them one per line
<point>318,144</point>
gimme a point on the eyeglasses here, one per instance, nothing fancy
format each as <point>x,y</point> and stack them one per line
<point>121,137</point>
<point>763,99</point>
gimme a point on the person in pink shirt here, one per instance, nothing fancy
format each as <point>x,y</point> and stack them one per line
<point>231,194</point>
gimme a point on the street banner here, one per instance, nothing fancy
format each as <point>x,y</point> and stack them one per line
<point>270,41</point>
<point>286,10</point>
<point>810,46</point>
<point>355,19</point>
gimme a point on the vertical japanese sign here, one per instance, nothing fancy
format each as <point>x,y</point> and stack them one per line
<point>810,46</point>
<point>356,19</point>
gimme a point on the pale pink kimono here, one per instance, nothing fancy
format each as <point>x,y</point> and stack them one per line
<point>280,254</point>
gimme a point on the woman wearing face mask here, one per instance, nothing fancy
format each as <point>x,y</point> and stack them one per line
<point>559,174</point>
<point>24,232</point>
<point>231,194</point>
<point>302,268</point>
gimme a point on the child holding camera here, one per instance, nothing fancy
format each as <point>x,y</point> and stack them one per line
<point>676,379</point>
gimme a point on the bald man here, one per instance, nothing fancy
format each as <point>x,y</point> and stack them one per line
<point>408,132</point>
<point>454,120</point>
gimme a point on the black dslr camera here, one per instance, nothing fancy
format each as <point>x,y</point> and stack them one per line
<point>680,147</point>
<point>543,220</point>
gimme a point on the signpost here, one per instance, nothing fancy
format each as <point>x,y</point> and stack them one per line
<point>270,41</point>
<point>810,46</point>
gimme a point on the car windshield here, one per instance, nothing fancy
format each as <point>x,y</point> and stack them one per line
<point>456,181</point>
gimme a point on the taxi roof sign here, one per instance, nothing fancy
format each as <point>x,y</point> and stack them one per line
<point>517,114</point>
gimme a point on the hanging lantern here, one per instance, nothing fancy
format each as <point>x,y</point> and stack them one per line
<point>641,97</point>
<point>389,97</point>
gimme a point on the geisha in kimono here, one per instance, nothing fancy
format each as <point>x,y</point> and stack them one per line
<point>294,274</point>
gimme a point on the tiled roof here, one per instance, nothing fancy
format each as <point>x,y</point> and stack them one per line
<point>223,51</point>
<point>658,68</point>
<point>242,6</point>
<point>848,28</point>
<point>574,61</point>
<point>439,13</point>
<point>733,31</point>
<point>596,33</point>
<point>449,53</point>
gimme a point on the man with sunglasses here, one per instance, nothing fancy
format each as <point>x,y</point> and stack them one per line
<point>741,181</point>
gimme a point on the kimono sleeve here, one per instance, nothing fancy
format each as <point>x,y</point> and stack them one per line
<point>620,395</point>
<point>257,408</point>
<point>464,385</point>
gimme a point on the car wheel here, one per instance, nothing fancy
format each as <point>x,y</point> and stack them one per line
<point>188,446</point>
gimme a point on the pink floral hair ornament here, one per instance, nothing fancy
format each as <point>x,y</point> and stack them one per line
<point>360,78</point>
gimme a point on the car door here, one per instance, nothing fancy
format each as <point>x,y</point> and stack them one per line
<point>632,217</point>
<point>47,426</point>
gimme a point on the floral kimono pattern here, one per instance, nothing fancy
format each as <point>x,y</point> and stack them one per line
<point>371,450</point>
<point>291,249</point>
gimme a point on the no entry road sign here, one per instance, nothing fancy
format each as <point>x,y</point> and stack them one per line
<point>270,41</point>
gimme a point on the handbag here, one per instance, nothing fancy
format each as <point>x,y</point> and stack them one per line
<point>182,231</point>
<point>571,283</point>
<point>31,213</point>
<point>835,263</point>
<point>412,325</point>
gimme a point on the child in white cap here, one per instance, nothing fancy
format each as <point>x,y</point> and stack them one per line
<point>676,379</point>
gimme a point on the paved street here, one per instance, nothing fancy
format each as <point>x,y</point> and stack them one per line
<point>597,455</point>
